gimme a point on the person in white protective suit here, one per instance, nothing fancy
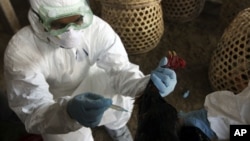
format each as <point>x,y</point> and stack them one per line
<point>65,70</point>
<point>221,109</point>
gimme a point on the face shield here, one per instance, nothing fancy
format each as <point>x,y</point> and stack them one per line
<point>48,16</point>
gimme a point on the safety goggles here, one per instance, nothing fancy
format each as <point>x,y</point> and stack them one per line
<point>50,15</point>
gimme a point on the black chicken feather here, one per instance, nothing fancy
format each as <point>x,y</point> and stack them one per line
<point>191,133</point>
<point>157,119</point>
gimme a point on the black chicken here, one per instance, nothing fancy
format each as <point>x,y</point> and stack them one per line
<point>157,119</point>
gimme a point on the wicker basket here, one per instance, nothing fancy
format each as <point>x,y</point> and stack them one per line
<point>182,10</point>
<point>139,23</point>
<point>230,62</point>
<point>127,3</point>
<point>230,8</point>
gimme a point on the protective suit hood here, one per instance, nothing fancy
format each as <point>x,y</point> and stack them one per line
<point>42,12</point>
<point>36,4</point>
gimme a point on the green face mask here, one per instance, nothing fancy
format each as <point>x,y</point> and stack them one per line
<point>49,14</point>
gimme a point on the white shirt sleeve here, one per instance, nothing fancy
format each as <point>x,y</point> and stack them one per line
<point>125,77</point>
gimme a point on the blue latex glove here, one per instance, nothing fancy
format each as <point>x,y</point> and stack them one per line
<point>198,119</point>
<point>164,78</point>
<point>88,108</point>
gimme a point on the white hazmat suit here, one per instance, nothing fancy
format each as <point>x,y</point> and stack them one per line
<point>224,108</point>
<point>42,77</point>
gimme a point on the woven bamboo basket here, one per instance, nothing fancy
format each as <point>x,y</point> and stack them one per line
<point>230,62</point>
<point>127,3</point>
<point>182,10</point>
<point>139,23</point>
<point>230,8</point>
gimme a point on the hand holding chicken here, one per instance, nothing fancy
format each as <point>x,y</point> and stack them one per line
<point>164,78</point>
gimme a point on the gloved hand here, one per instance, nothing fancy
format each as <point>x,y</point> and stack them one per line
<point>88,108</point>
<point>198,119</point>
<point>164,78</point>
